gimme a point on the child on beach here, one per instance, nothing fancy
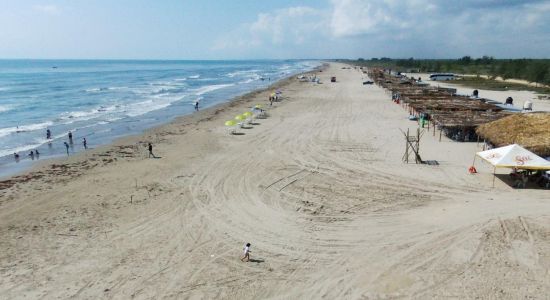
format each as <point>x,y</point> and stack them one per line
<point>246,250</point>
<point>151,150</point>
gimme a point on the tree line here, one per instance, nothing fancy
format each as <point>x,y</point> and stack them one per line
<point>532,70</point>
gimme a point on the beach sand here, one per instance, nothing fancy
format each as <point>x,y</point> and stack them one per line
<point>318,188</point>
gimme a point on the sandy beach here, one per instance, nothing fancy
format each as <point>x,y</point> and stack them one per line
<point>318,188</point>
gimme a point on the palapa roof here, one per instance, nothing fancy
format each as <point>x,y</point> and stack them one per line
<point>445,108</point>
<point>531,130</point>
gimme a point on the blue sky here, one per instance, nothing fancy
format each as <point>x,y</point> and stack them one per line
<point>224,29</point>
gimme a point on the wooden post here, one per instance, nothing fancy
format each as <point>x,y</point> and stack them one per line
<point>407,147</point>
<point>440,130</point>
<point>494,175</point>
<point>417,146</point>
<point>434,128</point>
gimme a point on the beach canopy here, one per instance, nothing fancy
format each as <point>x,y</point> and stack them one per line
<point>514,156</point>
<point>230,123</point>
<point>247,114</point>
<point>240,117</point>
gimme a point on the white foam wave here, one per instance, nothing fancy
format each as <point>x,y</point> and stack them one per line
<point>4,108</point>
<point>24,128</point>
<point>242,72</point>
<point>249,80</point>
<point>194,76</point>
<point>209,88</point>
<point>102,89</point>
<point>23,149</point>
<point>141,108</point>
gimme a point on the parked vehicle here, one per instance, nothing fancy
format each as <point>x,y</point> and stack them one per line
<point>442,76</point>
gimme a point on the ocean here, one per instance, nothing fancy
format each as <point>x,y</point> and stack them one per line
<point>102,100</point>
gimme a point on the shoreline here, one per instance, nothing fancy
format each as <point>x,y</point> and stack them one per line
<point>80,155</point>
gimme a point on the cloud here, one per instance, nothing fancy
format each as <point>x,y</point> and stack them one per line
<point>396,28</point>
<point>291,27</point>
<point>47,9</point>
<point>474,27</point>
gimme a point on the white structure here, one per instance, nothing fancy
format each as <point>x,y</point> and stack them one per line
<point>514,156</point>
<point>442,76</point>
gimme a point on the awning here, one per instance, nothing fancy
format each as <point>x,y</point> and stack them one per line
<point>514,156</point>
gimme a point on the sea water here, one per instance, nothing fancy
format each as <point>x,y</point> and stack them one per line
<point>101,100</point>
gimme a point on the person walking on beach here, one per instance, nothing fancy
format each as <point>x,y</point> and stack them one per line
<point>246,253</point>
<point>31,155</point>
<point>70,137</point>
<point>197,105</point>
<point>151,150</point>
<point>37,154</point>
<point>67,147</point>
<point>84,143</point>
<point>48,134</point>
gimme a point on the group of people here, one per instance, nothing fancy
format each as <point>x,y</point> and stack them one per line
<point>31,154</point>
<point>36,153</point>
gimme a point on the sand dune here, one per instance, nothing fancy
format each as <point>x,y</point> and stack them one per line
<point>318,188</point>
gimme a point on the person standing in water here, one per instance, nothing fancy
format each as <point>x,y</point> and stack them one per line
<point>48,134</point>
<point>67,147</point>
<point>70,137</point>
<point>197,105</point>
<point>84,143</point>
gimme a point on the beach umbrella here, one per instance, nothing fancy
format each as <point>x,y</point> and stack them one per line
<point>240,117</point>
<point>258,106</point>
<point>247,114</point>
<point>230,123</point>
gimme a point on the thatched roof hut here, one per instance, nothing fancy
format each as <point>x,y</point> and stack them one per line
<point>532,131</point>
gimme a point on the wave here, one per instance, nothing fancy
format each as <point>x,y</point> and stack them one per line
<point>209,88</point>
<point>103,89</point>
<point>242,72</point>
<point>24,128</point>
<point>4,108</point>
<point>19,149</point>
<point>141,108</point>
<point>194,76</point>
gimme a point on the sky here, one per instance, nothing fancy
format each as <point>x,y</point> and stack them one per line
<point>273,29</point>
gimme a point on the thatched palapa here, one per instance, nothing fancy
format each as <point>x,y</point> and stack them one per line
<point>532,131</point>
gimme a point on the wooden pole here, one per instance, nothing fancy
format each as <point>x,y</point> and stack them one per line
<point>494,175</point>
<point>440,130</point>
<point>417,146</point>
<point>407,147</point>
